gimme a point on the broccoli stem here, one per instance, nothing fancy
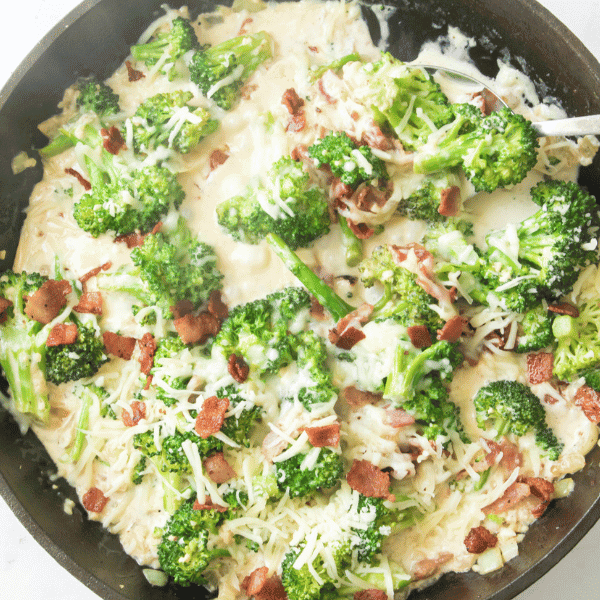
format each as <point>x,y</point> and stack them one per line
<point>82,426</point>
<point>352,245</point>
<point>321,291</point>
<point>482,479</point>
<point>62,142</point>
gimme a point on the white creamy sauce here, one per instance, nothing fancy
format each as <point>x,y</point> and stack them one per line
<point>304,34</point>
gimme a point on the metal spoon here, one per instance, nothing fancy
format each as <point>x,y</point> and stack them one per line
<point>589,125</point>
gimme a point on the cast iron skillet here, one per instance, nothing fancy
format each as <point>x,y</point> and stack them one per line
<point>95,38</point>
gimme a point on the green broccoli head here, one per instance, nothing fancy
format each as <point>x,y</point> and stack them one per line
<point>75,361</point>
<point>184,552</point>
<point>169,347</point>
<point>511,407</point>
<point>287,203</point>
<point>168,120</point>
<point>535,330</point>
<point>351,163</point>
<point>168,46</point>
<point>221,70</point>
<point>238,426</point>
<point>96,96</point>
<point>494,151</point>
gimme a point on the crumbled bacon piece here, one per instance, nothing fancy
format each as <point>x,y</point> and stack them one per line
<point>197,329</point>
<point>182,308</point>
<point>216,306</point>
<point>292,101</point>
<point>419,336</point>
<point>548,399</point>
<point>370,595</point>
<point>297,122</point>
<point>119,345</point>
<point>147,350</point>
<point>453,328</point>
<point>539,367</point>
<point>325,435</point>
<point>374,138</point>
<point>4,304</point>
<point>133,74</point>
<point>344,335</point>
<point>138,412</point>
<point>361,230</point>
<point>369,480</point>
<point>45,304</point>
<point>338,190</point>
<point>211,416</point>
<point>356,398</point>
<point>218,469</point>
<point>136,239</point>
<point>217,158</point>
<point>89,303</point>
<point>62,334</point>
<point>589,400</point>
<point>398,418</point>
<point>479,539</point>
<point>94,500</point>
<point>449,201</point>
<point>430,566</point>
<point>87,186</point>
<point>254,583</point>
<point>539,487</point>
<point>271,589</point>
<point>511,457</point>
<point>317,310</point>
<point>564,308</point>
<point>366,197</point>
<point>324,93</point>
<point>208,505</point>
<point>113,141</point>
<point>243,29</point>
<point>511,497</point>
<point>93,272</point>
<point>300,152</point>
<point>238,368</point>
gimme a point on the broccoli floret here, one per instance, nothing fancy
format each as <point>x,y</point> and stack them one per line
<point>169,347</point>
<point>286,203</point>
<point>221,70</point>
<point>124,200</point>
<point>403,299</point>
<point>98,97</point>
<point>351,163</point>
<point>535,330</point>
<point>424,202</point>
<point>167,120</point>
<point>81,359</point>
<point>184,552</point>
<point>238,426</point>
<point>403,98</point>
<point>87,394</point>
<point>353,246</point>
<point>578,341</point>
<point>168,47</point>
<point>23,347</point>
<point>511,407</point>
<point>316,72</point>
<point>592,378</point>
<point>323,474</point>
<point>495,150</point>
<point>170,266</point>
<point>300,584</point>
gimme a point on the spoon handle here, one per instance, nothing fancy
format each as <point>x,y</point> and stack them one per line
<point>589,125</point>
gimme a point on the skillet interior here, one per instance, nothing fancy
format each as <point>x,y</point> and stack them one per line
<point>96,40</point>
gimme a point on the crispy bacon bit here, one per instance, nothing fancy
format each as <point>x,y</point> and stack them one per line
<point>511,457</point>
<point>356,398</point>
<point>300,152</point>
<point>254,583</point>
<point>45,304</point>
<point>479,539</point>
<point>133,74</point>
<point>499,337</point>
<point>370,595</point>
<point>398,418</point>
<point>449,201</point>
<point>136,239</point>
<point>374,138</point>
<point>94,500</point>
<point>247,90</point>
<point>217,158</point>
<point>211,416</point>
<point>367,479</point>
<point>511,497</point>
<point>339,190</point>
<point>539,367</point>
<point>238,368</point>
<point>148,382</point>
<point>89,303</point>
<point>548,399</point>
<point>197,329</point>
<point>313,49</point>
<point>326,435</point>
<point>147,350</point>
<point>366,197</point>
<point>216,306</point>
<point>243,29</point>
<point>430,566</point>
<point>589,400</point>
<point>4,304</point>
<point>182,308</point>
<point>87,276</point>
<point>539,487</point>
<point>324,93</point>
<point>119,345</point>
<point>138,412</point>
<point>218,469</point>
<point>452,329</point>
<point>272,590</point>
<point>62,334</point>
<point>344,335</point>
<point>419,336</point>
<point>317,310</point>
<point>292,101</point>
<point>87,186</point>
<point>297,122</point>
<point>564,308</point>
<point>113,140</point>
<point>208,505</point>
<point>361,230</point>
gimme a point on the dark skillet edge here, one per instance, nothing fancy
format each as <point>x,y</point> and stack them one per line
<point>470,585</point>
